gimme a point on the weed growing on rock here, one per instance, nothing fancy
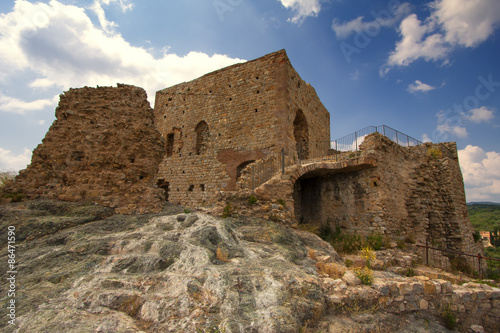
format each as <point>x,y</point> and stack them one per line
<point>228,210</point>
<point>368,254</point>
<point>435,153</point>
<point>450,319</point>
<point>365,274</point>
<point>252,200</point>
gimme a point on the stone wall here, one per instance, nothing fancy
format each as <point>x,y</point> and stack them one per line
<point>412,193</point>
<point>102,147</point>
<point>247,111</point>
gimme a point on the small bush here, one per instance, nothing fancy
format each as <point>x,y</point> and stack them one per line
<point>368,254</point>
<point>187,211</point>
<point>348,263</point>
<point>7,178</point>
<point>401,244</point>
<point>410,272</point>
<point>450,319</point>
<point>347,243</point>
<point>252,200</point>
<point>228,210</point>
<point>281,202</point>
<point>435,153</point>
<point>376,241</point>
<point>365,274</point>
<point>477,236</point>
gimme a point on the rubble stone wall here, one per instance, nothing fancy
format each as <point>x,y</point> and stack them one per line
<point>249,110</point>
<point>102,147</point>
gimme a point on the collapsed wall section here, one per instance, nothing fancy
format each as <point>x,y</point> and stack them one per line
<point>102,147</point>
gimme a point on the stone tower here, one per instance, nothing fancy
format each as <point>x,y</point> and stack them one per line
<point>217,124</point>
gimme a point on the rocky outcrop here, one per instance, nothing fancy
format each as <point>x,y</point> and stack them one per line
<point>84,269</point>
<point>103,147</point>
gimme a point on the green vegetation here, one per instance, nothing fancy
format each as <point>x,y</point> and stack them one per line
<point>450,319</point>
<point>252,200</point>
<point>365,274</point>
<point>484,216</point>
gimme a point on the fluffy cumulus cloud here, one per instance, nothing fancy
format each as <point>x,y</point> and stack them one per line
<point>451,24</point>
<point>481,172</point>
<point>419,86</point>
<point>10,161</point>
<point>302,9</point>
<point>62,47</point>
<point>49,47</point>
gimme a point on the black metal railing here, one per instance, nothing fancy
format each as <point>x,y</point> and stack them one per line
<point>345,147</point>
<point>478,256</point>
<point>350,144</point>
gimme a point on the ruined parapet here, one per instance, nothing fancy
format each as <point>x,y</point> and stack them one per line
<point>102,147</point>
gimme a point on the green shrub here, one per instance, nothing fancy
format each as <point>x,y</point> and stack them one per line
<point>281,202</point>
<point>477,236</point>
<point>410,272</point>
<point>435,153</point>
<point>228,210</point>
<point>376,241</point>
<point>347,243</point>
<point>348,263</point>
<point>187,211</point>
<point>450,319</point>
<point>252,200</point>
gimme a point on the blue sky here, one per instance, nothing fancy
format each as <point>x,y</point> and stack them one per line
<point>427,68</point>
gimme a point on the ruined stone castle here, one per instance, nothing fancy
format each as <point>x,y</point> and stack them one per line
<point>200,143</point>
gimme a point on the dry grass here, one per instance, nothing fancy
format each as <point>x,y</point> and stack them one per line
<point>331,269</point>
<point>222,255</point>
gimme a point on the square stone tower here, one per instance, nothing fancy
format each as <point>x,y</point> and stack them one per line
<point>217,124</point>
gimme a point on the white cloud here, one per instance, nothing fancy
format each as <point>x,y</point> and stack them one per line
<point>9,161</point>
<point>15,105</point>
<point>482,114</point>
<point>451,24</point>
<point>453,123</point>
<point>454,129</point>
<point>302,9</point>
<point>383,18</point>
<point>481,172</point>
<point>419,86</point>
<point>426,138</point>
<point>467,22</point>
<point>61,46</point>
<point>417,42</point>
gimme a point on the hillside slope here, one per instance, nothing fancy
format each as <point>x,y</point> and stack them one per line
<point>83,269</point>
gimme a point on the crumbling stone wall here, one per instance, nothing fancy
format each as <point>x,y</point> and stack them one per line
<point>415,193</point>
<point>221,122</point>
<point>102,147</point>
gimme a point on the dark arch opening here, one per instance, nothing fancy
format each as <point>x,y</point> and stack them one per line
<point>202,134</point>
<point>301,134</point>
<point>239,168</point>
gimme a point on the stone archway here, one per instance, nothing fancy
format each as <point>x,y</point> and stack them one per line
<point>301,135</point>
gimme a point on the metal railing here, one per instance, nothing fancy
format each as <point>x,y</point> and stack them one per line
<point>350,143</point>
<point>478,256</point>
<point>343,148</point>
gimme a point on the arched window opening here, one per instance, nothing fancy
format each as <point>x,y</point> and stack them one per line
<point>202,134</point>
<point>301,134</point>
<point>170,144</point>
<point>241,167</point>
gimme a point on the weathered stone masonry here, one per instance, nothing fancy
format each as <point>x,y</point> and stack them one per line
<point>102,147</point>
<point>108,146</point>
<point>217,124</point>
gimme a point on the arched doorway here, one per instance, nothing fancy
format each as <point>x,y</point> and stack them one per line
<point>301,134</point>
<point>239,168</point>
<point>202,134</point>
